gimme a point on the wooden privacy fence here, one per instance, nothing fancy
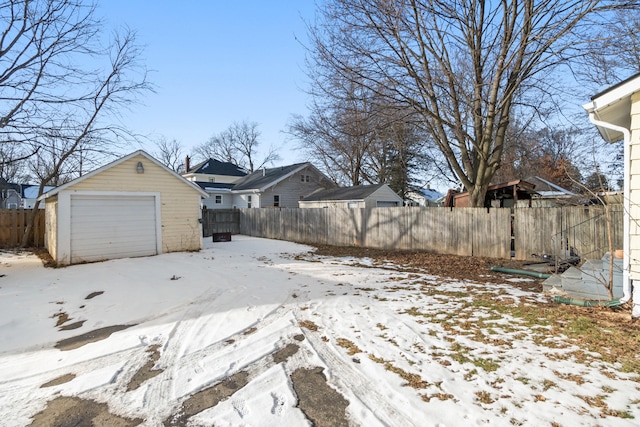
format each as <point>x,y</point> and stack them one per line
<point>13,223</point>
<point>495,233</point>
<point>463,231</point>
<point>220,221</point>
<point>558,231</point>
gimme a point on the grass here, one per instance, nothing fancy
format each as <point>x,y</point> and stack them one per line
<point>349,345</point>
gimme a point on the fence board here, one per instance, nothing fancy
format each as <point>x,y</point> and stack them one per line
<point>13,223</point>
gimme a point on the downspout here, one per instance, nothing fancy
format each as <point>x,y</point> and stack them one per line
<point>626,282</point>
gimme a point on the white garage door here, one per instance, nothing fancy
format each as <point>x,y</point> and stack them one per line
<point>107,227</point>
<point>383,204</point>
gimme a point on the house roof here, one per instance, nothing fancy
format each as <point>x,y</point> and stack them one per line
<point>265,178</point>
<point>216,167</point>
<point>548,188</point>
<point>612,106</point>
<point>4,185</point>
<point>117,162</point>
<point>31,191</point>
<point>214,185</point>
<point>358,192</point>
<point>430,193</point>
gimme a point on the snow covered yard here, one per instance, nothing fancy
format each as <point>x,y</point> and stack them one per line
<point>234,335</point>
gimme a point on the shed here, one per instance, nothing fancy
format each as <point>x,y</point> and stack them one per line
<point>134,206</point>
<point>503,195</point>
<point>359,196</point>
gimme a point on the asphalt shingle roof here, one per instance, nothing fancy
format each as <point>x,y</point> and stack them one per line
<point>216,167</point>
<point>359,192</point>
<point>265,177</point>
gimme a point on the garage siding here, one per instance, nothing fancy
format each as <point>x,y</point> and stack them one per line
<point>180,204</point>
<point>107,227</point>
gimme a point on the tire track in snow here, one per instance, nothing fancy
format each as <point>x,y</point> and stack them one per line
<point>346,377</point>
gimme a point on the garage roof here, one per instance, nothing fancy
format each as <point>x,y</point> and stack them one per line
<point>117,162</point>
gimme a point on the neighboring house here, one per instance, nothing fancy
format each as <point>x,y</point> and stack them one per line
<point>30,195</point>
<point>213,171</point>
<point>220,196</point>
<point>10,195</point>
<point>216,178</point>
<point>616,114</point>
<point>359,196</point>
<point>282,186</point>
<point>424,197</point>
<point>134,206</point>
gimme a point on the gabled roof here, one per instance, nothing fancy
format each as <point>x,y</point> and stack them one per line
<point>358,192</point>
<point>216,167</point>
<point>116,163</point>
<point>613,106</point>
<point>265,178</point>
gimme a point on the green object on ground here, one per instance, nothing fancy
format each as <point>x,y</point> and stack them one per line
<point>586,303</point>
<point>521,272</point>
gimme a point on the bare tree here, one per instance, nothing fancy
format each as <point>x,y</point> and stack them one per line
<point>170,154</point>
<point>462,65</point>
<point>238,144</point>
<point>57,110</point>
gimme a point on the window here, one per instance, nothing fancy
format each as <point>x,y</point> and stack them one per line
<point>248,201</point>
<point>276,200</point>
<point>212,180</point>
<point>308,178</point>
<point>218,199</point>
<point>305,178</point>
<point>301,178</point>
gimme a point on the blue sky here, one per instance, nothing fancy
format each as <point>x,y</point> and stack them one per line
<point>216,62</point>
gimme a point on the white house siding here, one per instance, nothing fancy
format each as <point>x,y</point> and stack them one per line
<point>241,200</point>
<point>50,224</point>
<point>382,194</point>
<point>180,204</point>
<point>634,190</point>
<point>210,202</point>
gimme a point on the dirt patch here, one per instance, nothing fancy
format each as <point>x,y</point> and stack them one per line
<point>74,412</point>
<point>60,380</point>
<point>45,257</point>
<point>71,326</point>
<point>92,336</point>
<point>147,371</point>
<point>321,404</point>
<point>285,353</point>
<point>208,398</point>
<point>94,294</point>
<point>62,318</point>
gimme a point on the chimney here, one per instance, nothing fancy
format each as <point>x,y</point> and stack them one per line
<point>187,163</point>
<point>264,171</point>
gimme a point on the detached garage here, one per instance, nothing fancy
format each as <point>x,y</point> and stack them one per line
<point>132,207</point>
<point>359,196</point>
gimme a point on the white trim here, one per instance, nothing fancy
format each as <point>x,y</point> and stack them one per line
<point>614,95</point>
